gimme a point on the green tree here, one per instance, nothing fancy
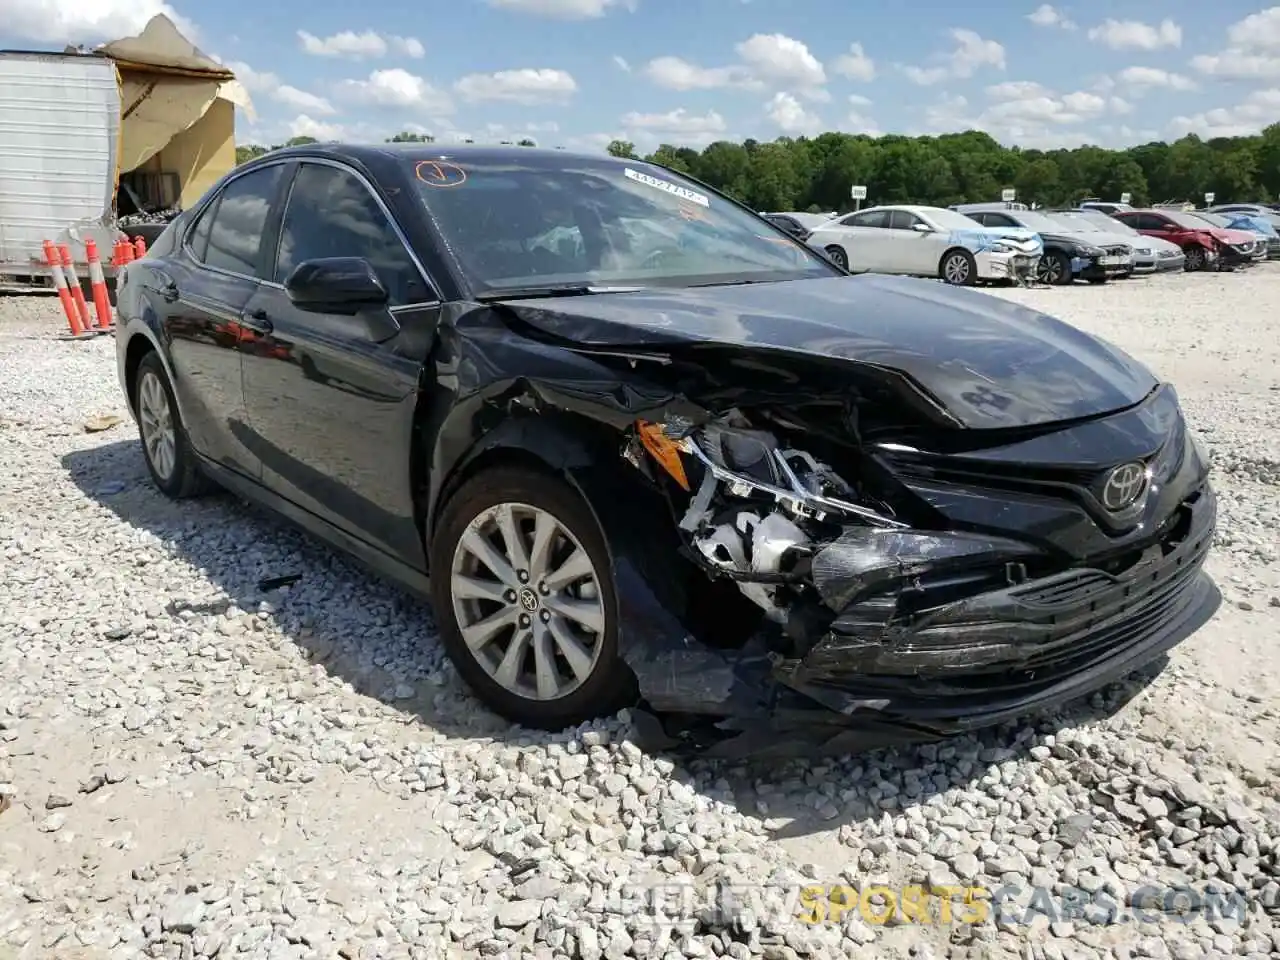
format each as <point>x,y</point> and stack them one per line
<point>404,136</point>
<point>622,148</point>
<point>248,151</point>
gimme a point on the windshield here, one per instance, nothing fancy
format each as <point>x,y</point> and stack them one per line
<point>1103,222</point>
<point>1038,221</point>
<point>1188,220</point>
<point>1215,219</point>
<point>514,225</point>
<point>951,220</point>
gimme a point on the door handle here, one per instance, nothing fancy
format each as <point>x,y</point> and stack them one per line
<point>167,289</point>
<point>257,320</point>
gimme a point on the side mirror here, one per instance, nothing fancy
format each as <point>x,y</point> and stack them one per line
<point>344,285</point>
<point>922,228</point>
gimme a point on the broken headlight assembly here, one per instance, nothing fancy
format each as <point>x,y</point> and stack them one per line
<point>759,508</point>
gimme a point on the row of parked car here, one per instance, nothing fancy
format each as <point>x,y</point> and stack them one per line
<point>975,242</point>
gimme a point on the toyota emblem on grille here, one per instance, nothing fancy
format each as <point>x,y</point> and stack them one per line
<point>1123,486</point>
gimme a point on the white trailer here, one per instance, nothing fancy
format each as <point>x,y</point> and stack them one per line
<point>59,153</point>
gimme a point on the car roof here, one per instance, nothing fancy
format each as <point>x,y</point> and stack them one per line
<point>475,153</point>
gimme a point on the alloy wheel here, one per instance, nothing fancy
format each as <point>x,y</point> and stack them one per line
<point>838,258</point>
<point>527,600</point>
<point>956,269</point>
<point>156,420</point>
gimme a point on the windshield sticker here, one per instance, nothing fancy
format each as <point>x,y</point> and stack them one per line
<point>440,173</point>
<point>676,191</point>
<point>692,213</point>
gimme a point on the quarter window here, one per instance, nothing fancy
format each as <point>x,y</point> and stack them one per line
<point>330,213</point>
<point>237,223</point>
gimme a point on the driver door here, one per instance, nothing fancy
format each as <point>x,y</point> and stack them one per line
<point>331,410</point>
<point>914,251</point>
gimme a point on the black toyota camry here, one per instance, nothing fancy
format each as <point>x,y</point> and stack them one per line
<point>641,447</point>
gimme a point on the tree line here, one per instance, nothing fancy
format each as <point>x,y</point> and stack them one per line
<point>816,173</point>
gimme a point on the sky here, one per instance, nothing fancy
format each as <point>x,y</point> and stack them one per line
<point>579,73</point>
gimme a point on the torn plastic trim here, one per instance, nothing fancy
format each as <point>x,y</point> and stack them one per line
<point>801,502</point>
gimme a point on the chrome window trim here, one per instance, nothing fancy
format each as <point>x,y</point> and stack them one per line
<point>203,212</point>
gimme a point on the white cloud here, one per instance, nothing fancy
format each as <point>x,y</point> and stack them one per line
<point>621,63</point>
<point>301,100</point>
<point>1141,79</point>
<point>563,9</point>
<point>855,64</point>
<point>1135,35</point>
<point>970,54</point>
<point>1257,110</point>
<point>1049,16</point>
<point>1252,53</point>
<point>396,88</point>
<point>269,85</point>
<point>367,45</point>
<point>80,21</point>
<point>304,126</point>
<point>1026,113</point>
<point>1119,105</point>
<point>780,61</point>
<point>858,121</point>
<point>680,122</point>
<point>675,73</point>
<point>771,60</point>
<point>790,115</point>
<point>525,86</point>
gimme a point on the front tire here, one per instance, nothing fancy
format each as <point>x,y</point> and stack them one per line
<point>166,447</point>
<point>1196,259</point>
<point>523,592</point>
<point>958,268</point>
<point>1054,268</point>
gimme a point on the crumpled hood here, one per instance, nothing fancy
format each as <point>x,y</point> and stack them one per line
<point>987,362</point>
<point>981,239</point>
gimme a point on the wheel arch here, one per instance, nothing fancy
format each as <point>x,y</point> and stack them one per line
<point>583,452</point>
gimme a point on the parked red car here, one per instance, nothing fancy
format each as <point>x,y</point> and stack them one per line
<point>1207,247</point>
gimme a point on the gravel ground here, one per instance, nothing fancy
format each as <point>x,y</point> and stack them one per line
<point>192,767</point>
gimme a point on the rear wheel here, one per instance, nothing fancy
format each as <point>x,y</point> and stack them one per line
<point>838,256</point>
<point>525,599</point>
<point>958,268</point>
<point>165,445</point>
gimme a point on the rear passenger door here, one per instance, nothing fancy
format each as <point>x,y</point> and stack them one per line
<point>202,298</point>
<point>331,409</point>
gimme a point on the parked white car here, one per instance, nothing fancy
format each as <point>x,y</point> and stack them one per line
<point>928,242</point>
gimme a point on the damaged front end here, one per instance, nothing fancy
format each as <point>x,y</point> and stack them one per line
<point>880,625</point>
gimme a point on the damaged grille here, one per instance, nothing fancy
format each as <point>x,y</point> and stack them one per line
<point>1020,638</point>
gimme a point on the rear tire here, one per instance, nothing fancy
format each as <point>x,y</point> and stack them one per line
<point>958,268</point>
<point>166,448</point>
<point>541,668</point>
<point>836,255</point>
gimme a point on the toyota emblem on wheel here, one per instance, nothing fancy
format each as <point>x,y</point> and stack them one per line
<point>1123,486</point>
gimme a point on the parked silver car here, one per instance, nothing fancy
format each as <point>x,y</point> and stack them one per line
<point>1150,254</point>
<point>1070,253</point>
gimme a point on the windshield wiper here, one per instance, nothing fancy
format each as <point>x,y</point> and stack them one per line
<point>564,290</point>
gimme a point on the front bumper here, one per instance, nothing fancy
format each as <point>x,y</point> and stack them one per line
<point>1177,261</point>
<point>1005,266</point>
<point>1102,268</point>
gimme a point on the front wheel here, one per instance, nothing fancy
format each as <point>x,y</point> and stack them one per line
<point>958,268</point>
<point>1196,259</point>
<point>524,595</point>
<point>1054,268</point>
